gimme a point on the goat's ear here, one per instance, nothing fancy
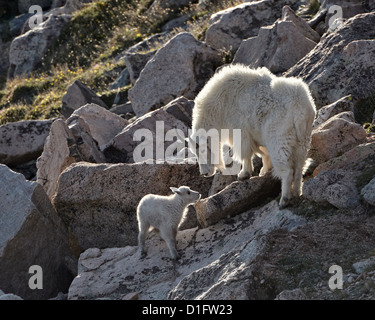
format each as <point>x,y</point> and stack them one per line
<point>175,190</point>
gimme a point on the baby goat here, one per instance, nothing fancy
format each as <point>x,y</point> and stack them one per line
<point>164,213</point>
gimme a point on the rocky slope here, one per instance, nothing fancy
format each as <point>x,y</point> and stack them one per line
<point>72,210</point>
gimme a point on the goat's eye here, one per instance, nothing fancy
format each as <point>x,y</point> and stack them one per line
<point>188,192</point>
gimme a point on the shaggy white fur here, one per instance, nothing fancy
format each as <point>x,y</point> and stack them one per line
<point>164,213</point>
<point>274,114</point>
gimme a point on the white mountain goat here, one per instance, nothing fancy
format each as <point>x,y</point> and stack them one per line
<point>164,213</point>
<point>274,114</point>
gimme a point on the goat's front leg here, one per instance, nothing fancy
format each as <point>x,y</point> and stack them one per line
<point>247,169</point>
<point>169,236</point>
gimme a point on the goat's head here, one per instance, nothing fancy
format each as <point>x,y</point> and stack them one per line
<point>207,153</point>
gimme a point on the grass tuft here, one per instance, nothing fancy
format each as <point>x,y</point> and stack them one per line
<point>87,49</point>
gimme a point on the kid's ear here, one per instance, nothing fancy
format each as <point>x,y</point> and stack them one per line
<point>175,190</point>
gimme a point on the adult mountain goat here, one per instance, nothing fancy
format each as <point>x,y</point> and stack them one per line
<point>274,114</point>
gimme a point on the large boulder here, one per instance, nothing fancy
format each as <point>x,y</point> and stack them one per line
<point>181,67</point>
<point>27,50</point>
<point>135,62</point>
<point>336,187</point>
<point>342,63</point>
<point>236,198</point>
<point>23,141</point>
<point>280,46</point>
<point>336,136</point>
<point>360,157</point>
<point>98,201</point>
<point>229,27</point>
<point>368,192</point>
<point>215,263</point>
<point>86,146</point>
<point>56,156</point>
<point>330,10</point>
<point>31,233</point>
<point>326,112</point>
<point>82,137</point>
<point>101,124</point>
<point>260,254</point>
<point>78,95</point>
<point>175,115</point>
<point>221,181</point>
<point>340,180</point>
<point>136,58</point>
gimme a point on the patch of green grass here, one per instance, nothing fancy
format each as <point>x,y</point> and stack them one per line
<point>108,96</point>
<point>26,90</point>
<point>13,114</point>
<point>105,29</point>
<point>86,51</point>
<point>40,97</point>
<point>308,10</point>
<point>82,40</point>
<point>313,7</point>
<point>369,127</point>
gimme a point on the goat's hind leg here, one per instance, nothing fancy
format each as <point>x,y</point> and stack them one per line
<point>286,187</point>
<point>169,237</point>
<point>143,229</point>
<point>283,169</point>
<point>297,182</point>
<point>299,163</point>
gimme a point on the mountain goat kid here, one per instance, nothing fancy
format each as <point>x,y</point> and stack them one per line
<point>164,213</point>
<point>274,114</point>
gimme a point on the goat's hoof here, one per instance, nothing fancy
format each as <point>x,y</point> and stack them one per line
<point>175,257</point>
<point>243,175</point>
<point>284,202</point>
<point>142,254</point>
